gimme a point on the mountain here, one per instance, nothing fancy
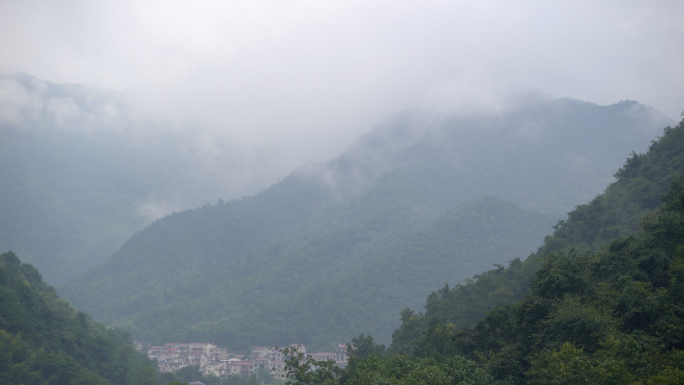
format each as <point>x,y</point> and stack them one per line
<point>82,171</point>
<point>642,180</point>
<point>44,340</point>
<point>364,294</point>
<point>339,247</point>
<point>603,296</point>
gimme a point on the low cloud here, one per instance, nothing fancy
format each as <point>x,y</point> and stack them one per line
<point>285,83</point>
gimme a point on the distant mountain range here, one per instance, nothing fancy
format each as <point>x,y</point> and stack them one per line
<point>339,248</point>
<point>82,171</point>
<point>579,310</point>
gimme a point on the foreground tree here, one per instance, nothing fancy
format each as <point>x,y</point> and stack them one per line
<point>303,370</point>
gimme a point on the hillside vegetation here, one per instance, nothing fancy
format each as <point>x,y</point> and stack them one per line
<point>45,341</point>
<point>617,212</point>
<point>339,248</point>
<point>592,313</point>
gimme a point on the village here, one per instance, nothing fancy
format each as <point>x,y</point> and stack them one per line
<point>211,359</point>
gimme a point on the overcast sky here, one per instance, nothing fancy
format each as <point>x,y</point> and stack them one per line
<point>300,80</point>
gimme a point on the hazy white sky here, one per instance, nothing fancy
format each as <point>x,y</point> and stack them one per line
<point>299,80</point>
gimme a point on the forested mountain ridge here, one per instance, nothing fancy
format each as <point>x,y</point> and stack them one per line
<point>45,341</point>
<point>261,262</point>
<point>278,306</point>
<point>615,213</point>
<point>367,294</point>
<point>611,315</point>
<point>82,171</point>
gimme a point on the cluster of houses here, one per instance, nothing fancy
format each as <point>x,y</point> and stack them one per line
<point>219,362</point>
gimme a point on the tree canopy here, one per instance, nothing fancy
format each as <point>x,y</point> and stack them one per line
<point>45,341</point>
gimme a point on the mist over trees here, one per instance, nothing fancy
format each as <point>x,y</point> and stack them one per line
<point>438,193</point>
<point>83,170</point>
<point>348,247</point>
<point>618,212</point>
<point>601,304</point>
<point>341,247</point>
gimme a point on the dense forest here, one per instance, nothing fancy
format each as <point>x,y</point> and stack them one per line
<point>641,182</point>
<point>341,247</point>
<point>588,311</point>
<point>43,340</point>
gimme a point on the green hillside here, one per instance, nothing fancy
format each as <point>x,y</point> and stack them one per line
<point>321,248</point>
<point>612,317</point>
<point>364,295</point>
<point>593,313</point>
<point>616,212</point>
<point>45,341</point>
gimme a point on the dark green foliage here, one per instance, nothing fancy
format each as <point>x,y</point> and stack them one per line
<point>303,370</point>
<point>611,317</point>
<point>43,340</point>
<point>616,212</point>
<point>363,346</point>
